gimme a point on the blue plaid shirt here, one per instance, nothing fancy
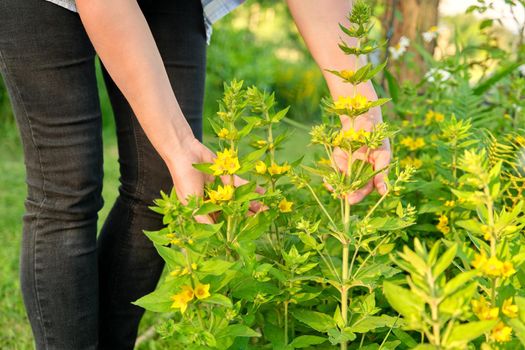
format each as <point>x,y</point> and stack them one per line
<point>213,10</point>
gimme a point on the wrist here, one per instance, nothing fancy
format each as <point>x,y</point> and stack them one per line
<point>178,149</point>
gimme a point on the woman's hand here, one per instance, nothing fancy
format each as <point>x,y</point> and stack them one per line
<point>186,179</point>
<point>379,158</point>
<point>189,181</point>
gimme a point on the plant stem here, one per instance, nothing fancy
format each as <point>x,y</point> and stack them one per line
<point>286,323</point>
<point>344,291</point>
<point>322,206</point>
<point>376,205</point>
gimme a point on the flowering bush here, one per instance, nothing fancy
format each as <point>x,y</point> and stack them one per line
<point>290,263</point>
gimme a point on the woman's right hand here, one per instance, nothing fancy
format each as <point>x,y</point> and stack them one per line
<point>189,181</point>
<point>186,179</point>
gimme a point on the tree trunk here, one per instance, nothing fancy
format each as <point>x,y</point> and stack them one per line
<point>410,18</point>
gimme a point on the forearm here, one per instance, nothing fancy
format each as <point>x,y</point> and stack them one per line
<point>124,43</point>
<point>318,23</point>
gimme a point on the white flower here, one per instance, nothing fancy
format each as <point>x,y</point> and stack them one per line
<point>431,34</point>
<point>396,51</point>
<point>404,41</point>
<point>437,75</point>
<point>522,69</point>
<point>400,48</point>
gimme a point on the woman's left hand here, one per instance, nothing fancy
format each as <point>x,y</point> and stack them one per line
<point>379,158</point>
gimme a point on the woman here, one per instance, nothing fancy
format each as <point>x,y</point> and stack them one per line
<point>77,289</point>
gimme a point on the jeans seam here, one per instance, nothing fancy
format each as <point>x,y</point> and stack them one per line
<point>135,202</point>
<point>40,205</point>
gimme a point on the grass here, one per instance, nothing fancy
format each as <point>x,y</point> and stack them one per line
<point>15,332</point>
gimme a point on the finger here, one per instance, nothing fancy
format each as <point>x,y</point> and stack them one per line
<point>327,185</point>
<point>237,181</point>
<point>340,158</point>
<point>257,207</point>
<point>203,219</point>
<point>381,161</point>
<point>357,196</point>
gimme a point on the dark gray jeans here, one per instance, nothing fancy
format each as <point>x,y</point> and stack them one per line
<point>77,289</point>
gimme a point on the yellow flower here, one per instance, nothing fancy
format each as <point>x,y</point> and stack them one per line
<point>443,224</point>
<point>261,143</point>
<point>419,143</point>
<point>450,203</point>
<point>225,163</point>
<point>275,169</point>
<point>353,135</point>
<point>429,117</point>
<point>222,194</point>
<point>483,310</point>
<point>181,300</point>
<point>439,117</point>
<point>358,102</point>
<point>413,144</point>
<point>202,291</point>
<point>347,74</point>
<point>325,161</point>
<point>176,241</point>
<point>337,140</point>
<point>508,269</point>
<point>501,333</point>
<point>194,266</point>
<point>493,267</point>
<point>411,162</point>
<point>486,232</point>
<point>285,206</point>
<point>509,309</point>
<point>178,303</point>
<point>260,167</point>
<point>223,133</point>
<point>479,260</point>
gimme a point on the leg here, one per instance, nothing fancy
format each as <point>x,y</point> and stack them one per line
<point>47,62</point>
<point>129,265</point>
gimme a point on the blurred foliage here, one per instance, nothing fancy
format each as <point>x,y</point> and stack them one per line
<point>275,59</point>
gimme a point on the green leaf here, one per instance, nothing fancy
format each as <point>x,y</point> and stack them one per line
<point>316,320</point>
<point>280,115</point>
<point>368,323</point>
<point>519,329</point>
<point>207,208</point>
<point>203,167</point>
<point>459,281</point>
<point>172,257</point>
<point>444,261</point>
<point>203,231</point>
<point>464,333</point>
<point>237,330</point>
<point>425,347</point>
<point>275,335</point>
<point>218,299</point>
<point>404,337</point>
<point>158,237</point>
<point>157,301</point>
<point>470,225</point>
<point>496,77</point>
<point>408,304</point>
<point>393,86</point>
<point>415,260</point>
<point>305,341</point>
<point>215,267</point>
